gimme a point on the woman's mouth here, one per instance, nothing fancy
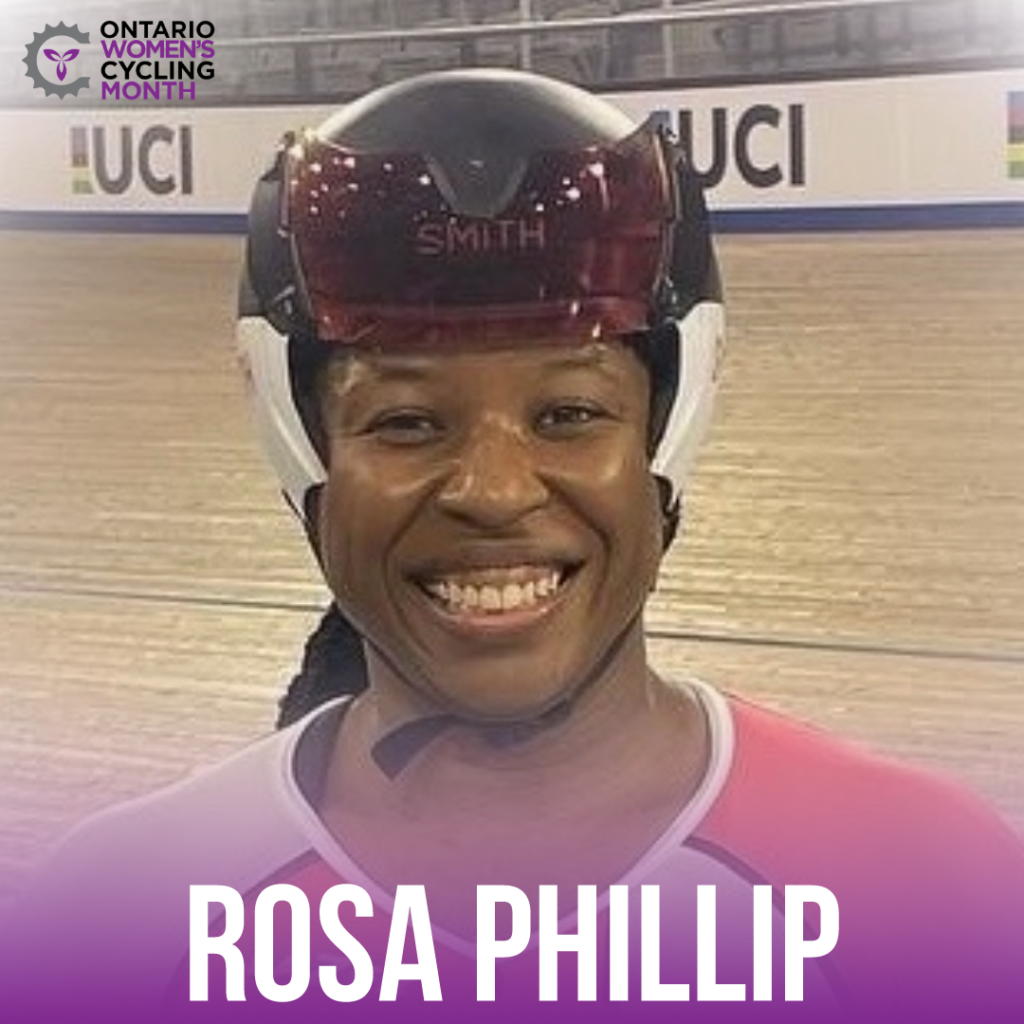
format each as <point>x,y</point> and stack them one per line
<point>497,591</point>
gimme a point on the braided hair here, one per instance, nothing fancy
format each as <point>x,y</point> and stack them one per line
<point>333,665</point>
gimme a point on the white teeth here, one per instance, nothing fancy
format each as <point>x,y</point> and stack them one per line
<point>494,598</point>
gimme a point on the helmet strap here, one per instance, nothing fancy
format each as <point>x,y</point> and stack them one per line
<point>398,747</point>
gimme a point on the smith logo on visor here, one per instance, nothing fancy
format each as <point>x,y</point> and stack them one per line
<point>389,243</point>
<point>457,236</point>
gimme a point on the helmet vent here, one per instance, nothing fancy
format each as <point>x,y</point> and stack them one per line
<point>479,186</point>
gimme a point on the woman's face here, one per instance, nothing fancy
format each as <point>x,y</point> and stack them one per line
<point>489,522</point>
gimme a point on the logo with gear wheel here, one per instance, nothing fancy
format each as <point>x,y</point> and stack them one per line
<point>59,57</point>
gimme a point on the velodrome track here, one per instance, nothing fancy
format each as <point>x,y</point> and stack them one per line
<point>854,550</point>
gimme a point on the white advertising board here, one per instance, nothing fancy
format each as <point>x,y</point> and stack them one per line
<point>901,151</point>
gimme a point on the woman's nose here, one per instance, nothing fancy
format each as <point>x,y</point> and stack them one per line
<point>495,479</point>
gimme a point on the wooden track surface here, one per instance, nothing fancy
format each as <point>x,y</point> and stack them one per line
<point>853,553</point>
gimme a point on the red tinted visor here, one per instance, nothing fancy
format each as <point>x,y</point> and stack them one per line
<point>577,247</point>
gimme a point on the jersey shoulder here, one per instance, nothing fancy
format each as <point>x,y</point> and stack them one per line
<point>789,775</point>
<point>112,901</point>
<point>229,820</point>
<point>929,880</point>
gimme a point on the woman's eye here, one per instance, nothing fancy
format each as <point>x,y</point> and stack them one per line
<point>571,415</point>
<point>405,427</point>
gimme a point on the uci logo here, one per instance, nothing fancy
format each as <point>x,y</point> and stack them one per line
<point>49,59</point>
<point>160,159</point>
<point>765,144</point>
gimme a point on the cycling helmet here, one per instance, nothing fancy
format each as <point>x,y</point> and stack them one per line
<point>478,207</point>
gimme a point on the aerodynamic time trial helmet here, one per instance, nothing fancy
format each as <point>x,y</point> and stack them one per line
<point>478,207</point>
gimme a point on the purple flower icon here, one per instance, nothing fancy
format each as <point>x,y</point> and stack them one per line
<point>61,59</point>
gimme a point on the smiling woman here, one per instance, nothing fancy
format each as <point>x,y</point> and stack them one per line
<point>487,441</point>
<point>491,528</point>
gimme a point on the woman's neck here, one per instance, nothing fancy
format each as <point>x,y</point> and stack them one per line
<point>579,801</point>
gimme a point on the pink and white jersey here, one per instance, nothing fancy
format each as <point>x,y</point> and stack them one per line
<point>929,886</point>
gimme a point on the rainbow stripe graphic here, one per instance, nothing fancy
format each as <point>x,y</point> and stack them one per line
<point>1015,134</point>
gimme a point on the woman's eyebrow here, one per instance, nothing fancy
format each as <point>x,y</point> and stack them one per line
<point>399,371</point>
<point>592,357</point>
<point>415,369</point>
<point>359,372</point>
